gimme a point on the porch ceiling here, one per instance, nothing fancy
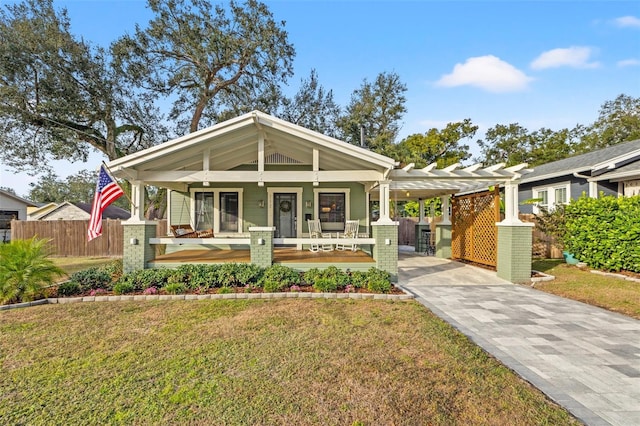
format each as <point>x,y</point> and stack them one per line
<point>247,140</point>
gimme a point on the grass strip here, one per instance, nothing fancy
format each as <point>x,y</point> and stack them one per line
<point>610,293</point>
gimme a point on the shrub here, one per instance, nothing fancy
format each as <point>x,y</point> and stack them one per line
<point>605,232</point>
<point>114,269</point>
<point>248,273</point>
<point>278,277</point>
<point>92,278</point>
<point>226,275</point>
<point>318,279</point>
<point>25,268</point>
<point>325,285</point>
<point>146,278</point>
<point>359,279</point>
<point>123,287</point>
<point>199,276</point>
<point>312,275</point>
<point>378,281</point>
<point>552,223</point>
<point>69,288</point>
<point>175,288</point>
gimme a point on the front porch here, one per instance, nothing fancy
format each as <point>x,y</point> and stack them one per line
<point>288,256</point>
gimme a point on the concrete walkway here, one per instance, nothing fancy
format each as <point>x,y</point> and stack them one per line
<point>584,358</point>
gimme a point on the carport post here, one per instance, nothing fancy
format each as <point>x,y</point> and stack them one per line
<point>514,241</point>
<point>443,231</point>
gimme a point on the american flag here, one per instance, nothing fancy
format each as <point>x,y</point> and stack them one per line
<point>107,191</point>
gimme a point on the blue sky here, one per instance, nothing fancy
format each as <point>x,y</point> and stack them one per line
<point>537,63</point>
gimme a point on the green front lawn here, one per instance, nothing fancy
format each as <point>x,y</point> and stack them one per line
<point>572,282</point>
<point>302,362</point>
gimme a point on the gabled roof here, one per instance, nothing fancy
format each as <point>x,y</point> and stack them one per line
<point>628,171</point>
<point>41,211</point>
<point>249,139</point>
<point>590,163</point>
<point>17,198</point>
<point>111,212</point>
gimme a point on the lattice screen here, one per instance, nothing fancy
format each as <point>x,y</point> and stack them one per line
<point>474,232</point>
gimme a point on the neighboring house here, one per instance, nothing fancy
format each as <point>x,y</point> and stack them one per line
<point>251,183</point>
<point>79,211</point>
<point>11,207</point>
<point>614,170</point>
<point>34,212</point>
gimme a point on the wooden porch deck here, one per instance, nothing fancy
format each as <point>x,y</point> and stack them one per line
<point>282,255</point>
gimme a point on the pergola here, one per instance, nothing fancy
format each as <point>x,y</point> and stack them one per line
<point>409,183</point>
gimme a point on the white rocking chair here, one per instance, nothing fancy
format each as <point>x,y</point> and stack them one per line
<point>315,231</point>
<point>350,231</point>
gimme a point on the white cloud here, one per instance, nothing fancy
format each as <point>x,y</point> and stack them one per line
<point>629,63</point>
<point>574,57</point>
<point>627,21</point>
<point>486,72</point>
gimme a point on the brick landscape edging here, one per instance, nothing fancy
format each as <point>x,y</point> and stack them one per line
<point>227,296</point>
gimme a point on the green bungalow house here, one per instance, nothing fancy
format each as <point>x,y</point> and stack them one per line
<point>246,189</point>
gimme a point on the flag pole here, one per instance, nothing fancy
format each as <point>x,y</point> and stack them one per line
<point>123,192</point>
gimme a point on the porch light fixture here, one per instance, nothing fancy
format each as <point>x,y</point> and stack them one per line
<point>308,204</point>
<point>133,241</point>
<point>387,241</point>
<point>260,241</point>
<point>261,204</point>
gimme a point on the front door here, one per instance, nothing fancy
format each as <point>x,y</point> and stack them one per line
<point>284,214</point>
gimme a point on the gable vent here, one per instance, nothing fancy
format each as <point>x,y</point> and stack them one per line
<point>277,158</point>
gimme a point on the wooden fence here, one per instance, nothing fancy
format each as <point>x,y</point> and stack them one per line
<point>543,245</point>
<point>69,237</point>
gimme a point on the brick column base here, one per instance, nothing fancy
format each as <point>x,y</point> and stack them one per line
<point>514,252</point>
<point>137,250</point>
<point>386,255</point>
<point>262,245</point>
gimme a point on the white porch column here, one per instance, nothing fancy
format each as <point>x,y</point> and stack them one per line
<point>446,218</point>
<point>511,210</point>
<point>384,203</point>
<point>137,201</point>
<point>421,203</point>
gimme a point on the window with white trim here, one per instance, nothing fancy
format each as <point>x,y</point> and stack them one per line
<point>332,207</point>
<point>219,209</point>
<point>551,195</point>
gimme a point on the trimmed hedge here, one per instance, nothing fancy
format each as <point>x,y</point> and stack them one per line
<point>605,232</point>
<point>224,277</point>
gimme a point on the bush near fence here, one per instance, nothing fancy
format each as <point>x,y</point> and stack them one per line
<point>69,237</point>
<point>605,232</point>
<point>544,246</point>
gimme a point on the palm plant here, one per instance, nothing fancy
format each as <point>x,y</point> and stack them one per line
<point>25,269</point>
